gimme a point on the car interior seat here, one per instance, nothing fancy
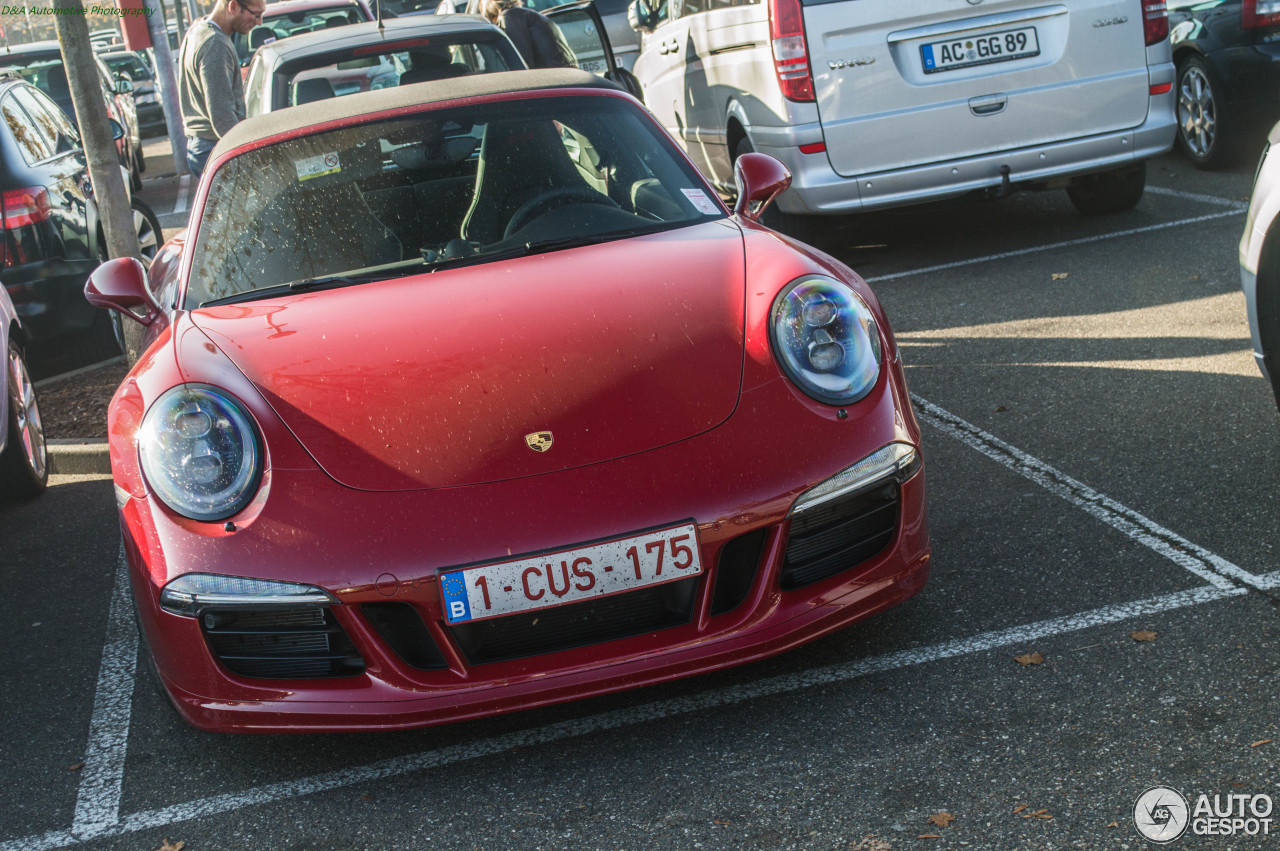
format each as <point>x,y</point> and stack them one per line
<point>309,91</point>
<point>259,36</point>
<point>519,160</point>
<point>432,64</point>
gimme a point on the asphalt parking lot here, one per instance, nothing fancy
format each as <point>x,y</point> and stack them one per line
<point>1103,460</point>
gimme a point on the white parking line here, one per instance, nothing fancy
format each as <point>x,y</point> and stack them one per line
<point>771,686</point>
<point>102,778</point>
<point>184,189</point>
<point>1022,252</point>
<point>1214,569</point>
<point>1196,196</point>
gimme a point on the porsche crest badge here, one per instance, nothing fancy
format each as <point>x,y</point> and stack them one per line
<point>539,441</point>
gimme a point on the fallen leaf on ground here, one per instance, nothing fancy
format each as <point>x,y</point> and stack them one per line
<point>1061,276</point>
<point>1114,824</point>
<point>1037,814</point>
<point>75,766</point>
<point>366,798</point>
<point>717,821</point>
<point>1260,742</point>
<point>1018,809</point>
<point>929,836</point>
<point>1001,409</point>
<point>1029,659</point>
<point>942,819</point>
<point>1143,635</point>
<point>167,847</point>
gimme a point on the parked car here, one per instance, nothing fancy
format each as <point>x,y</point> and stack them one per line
<point>294,17</point>
<point>1260,264</point>
<point>145,97</point>
<point>24,458</point>
<point>1228,58</point>
<point>366,57</point>
<point>420,436</point>
<point>879,103</point>
<point>52,235</point>
<point>40,63</point>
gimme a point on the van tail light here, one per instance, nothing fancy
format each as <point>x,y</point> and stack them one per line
<point>24,207</point>
<point>1155,20</point>
<point>790,51</point>
<point>1260,13</point>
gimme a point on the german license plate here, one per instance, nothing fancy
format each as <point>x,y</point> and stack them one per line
<point>982,49</point>
<point>570,576</point>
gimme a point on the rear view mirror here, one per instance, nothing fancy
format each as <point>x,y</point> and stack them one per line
<point>121,285</point>
<point>124,86</point>
<point>117,131</point>
<point>760,179</point>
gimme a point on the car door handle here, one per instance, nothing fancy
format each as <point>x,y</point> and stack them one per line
<point>988,104</point>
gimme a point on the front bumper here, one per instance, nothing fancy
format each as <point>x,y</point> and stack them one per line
<point>371,548</point>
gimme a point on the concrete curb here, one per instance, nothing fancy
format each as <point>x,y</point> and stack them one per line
<point>73,456</point>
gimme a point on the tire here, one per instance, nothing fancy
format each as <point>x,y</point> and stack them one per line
<point>135,173</point>
<point>1206,130</point>
<point>803,228</point>
<point>1109,191</point>
<point>24,463</point>
<point>146,224</point>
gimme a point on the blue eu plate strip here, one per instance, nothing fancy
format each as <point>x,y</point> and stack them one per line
<point>454,591</point>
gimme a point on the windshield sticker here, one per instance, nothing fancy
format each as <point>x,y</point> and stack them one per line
<point>700,201</point>
<point>318,166</point>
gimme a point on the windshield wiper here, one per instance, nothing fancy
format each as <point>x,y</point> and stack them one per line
<point>321,282</point>
<point>541,246</point>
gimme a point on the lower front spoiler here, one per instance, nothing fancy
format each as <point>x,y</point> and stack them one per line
<point>297,716</point>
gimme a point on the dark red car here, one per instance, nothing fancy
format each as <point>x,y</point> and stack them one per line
<point>471,396</point>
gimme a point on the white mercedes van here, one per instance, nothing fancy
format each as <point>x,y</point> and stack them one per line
<point>880,103</point>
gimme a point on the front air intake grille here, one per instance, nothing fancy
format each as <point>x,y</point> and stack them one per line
<point>840,534</point>
<point>403,629</point>
<point>736,570</point>
<point>282,644</point>
<point>577,624</point>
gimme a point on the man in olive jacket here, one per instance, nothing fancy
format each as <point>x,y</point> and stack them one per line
<point>210,90</point>
<point>538,40</point>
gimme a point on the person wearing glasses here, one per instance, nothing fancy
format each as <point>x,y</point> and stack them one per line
<point>210,89</point>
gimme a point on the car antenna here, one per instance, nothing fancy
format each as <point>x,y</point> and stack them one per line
<point>381,29</point>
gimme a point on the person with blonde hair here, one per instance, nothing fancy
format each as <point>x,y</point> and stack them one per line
<point>539,41</point>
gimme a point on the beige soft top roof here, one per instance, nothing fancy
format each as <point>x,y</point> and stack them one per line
<point>417,94</point>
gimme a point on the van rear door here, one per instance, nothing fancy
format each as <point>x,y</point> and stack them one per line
<point>902,83</point>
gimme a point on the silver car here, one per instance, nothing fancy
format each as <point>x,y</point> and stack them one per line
<point>1260,264</point>
<point>24,460</point>
<point>880,103</point>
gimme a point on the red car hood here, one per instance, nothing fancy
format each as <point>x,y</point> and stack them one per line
<point>436,380</point>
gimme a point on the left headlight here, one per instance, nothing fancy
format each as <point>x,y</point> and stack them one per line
<point>825,337</point>
<point>200,452</point>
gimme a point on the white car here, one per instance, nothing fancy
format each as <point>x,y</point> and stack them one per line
<point>24,460</point>
<point>880,103</point>
<point>1260,264</point>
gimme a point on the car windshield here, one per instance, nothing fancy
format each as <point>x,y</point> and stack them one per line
<point>130,66</point>
<point>278,26</point>
<point>448,187</point>
<point>47,75</point>
<point>381,66</point>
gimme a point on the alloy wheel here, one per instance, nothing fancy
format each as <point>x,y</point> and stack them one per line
<point>148,238</point>
<point>26,416</point>
<point>1197,112</point>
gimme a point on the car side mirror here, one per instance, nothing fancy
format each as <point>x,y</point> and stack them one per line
<point>760,179</point>
<point>117,129</point>
<point>641,17</point>
<point>121,284</point>
<point>124,86</point>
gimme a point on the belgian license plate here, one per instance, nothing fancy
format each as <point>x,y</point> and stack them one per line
<point>982,49</point>
<point>595,66</point>
<point>569,576</point>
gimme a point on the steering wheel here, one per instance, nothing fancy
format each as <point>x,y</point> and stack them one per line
<point>545,202</point>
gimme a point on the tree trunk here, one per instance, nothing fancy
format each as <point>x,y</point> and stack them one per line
<point>105,172</point>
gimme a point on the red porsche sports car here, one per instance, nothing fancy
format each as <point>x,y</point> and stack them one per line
<point>471,396</point>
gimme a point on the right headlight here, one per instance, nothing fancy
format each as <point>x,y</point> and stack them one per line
<point>200,452</point>
<point>825,337</point>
